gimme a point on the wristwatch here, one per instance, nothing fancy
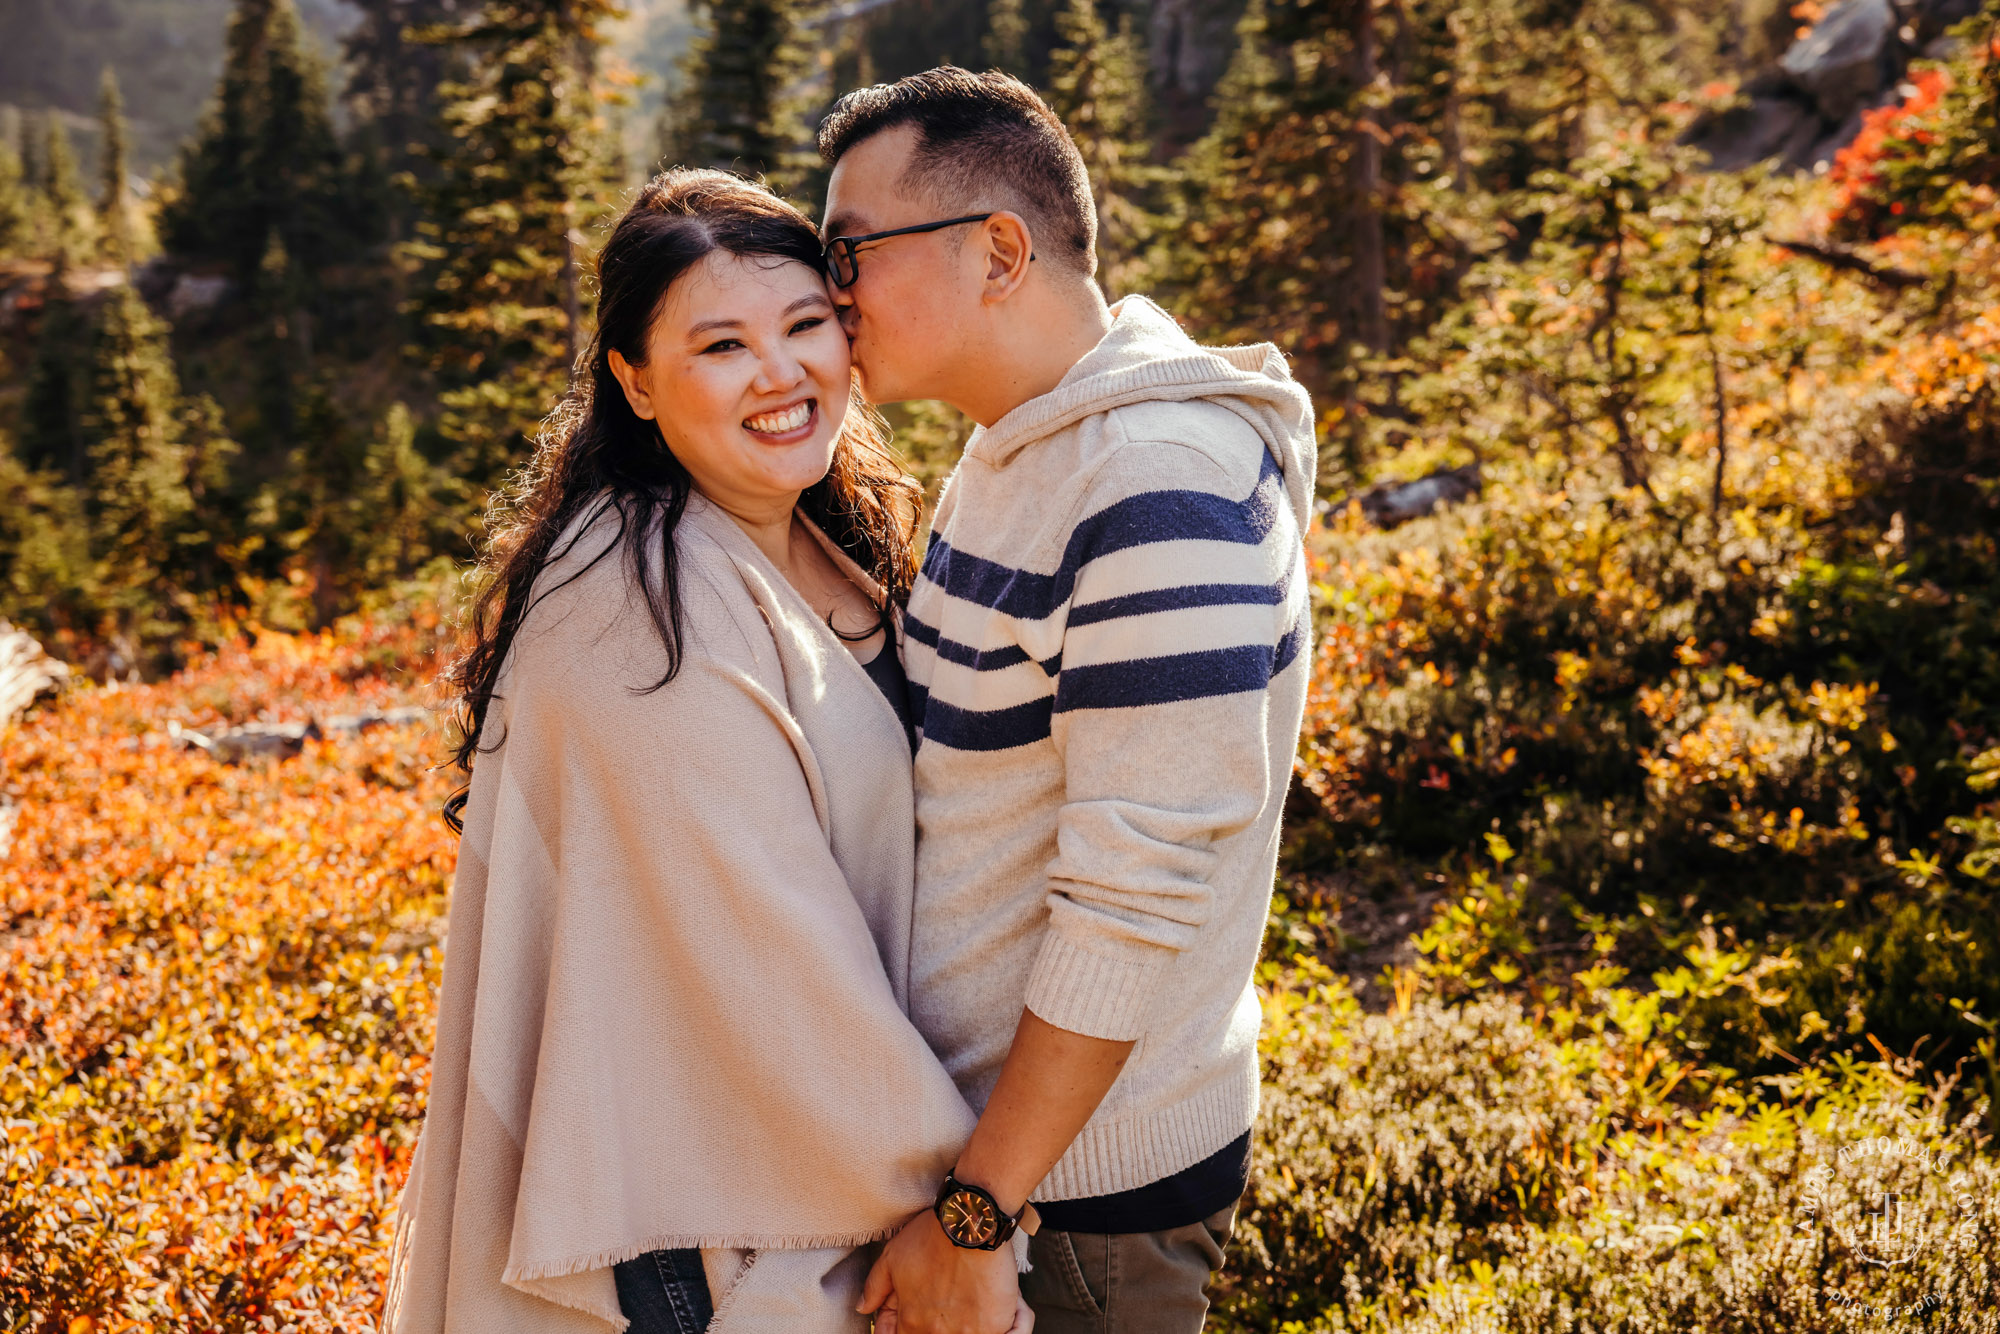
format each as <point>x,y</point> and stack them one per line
<point>973,1220</point>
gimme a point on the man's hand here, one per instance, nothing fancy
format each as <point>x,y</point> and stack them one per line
<point>939,1288</point>
<point>1051,1083</point>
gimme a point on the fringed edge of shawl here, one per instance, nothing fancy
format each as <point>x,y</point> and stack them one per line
<point>516,1274</point>
<point>399,1266</point>
<point>725,1300</point>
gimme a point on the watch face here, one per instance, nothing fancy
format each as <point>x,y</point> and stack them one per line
<point>969,1219</point>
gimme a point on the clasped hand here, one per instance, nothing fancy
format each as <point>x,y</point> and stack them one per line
<point>922,1284</point>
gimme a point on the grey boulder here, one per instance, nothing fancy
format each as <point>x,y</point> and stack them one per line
<point>1847,58</point>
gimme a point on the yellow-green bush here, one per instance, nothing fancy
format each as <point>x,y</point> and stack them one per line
<point>1490,1166</point>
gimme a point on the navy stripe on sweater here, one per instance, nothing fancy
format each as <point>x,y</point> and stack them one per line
<point>1289,646</point>
<point>1151,516</point>
<point>983,729</point>
<point>1140,681</point>
<point>1116,685</point>
<point>1146,519</point>
<point>979,660</point>
<point>1177,599</point>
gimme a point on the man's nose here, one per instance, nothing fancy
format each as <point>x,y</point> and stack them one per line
<point>844,309</point>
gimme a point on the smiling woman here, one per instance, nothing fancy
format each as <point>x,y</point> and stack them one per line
<point>681,922</point>
<point>746,373</point>
<point>711,302</point>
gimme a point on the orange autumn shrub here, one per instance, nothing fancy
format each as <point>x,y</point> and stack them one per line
<point>215,994</point>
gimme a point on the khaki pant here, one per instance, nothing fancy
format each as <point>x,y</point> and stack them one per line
<point>1126,1282</point>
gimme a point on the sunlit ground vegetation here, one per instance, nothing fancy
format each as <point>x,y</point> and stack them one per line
<point>1690,730</point>
<point>216,995</point>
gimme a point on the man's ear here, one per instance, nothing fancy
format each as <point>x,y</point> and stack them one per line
<point>1009,251</point>
<point>628,380</point>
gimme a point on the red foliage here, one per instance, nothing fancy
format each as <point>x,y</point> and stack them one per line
<point>1859,204</point>
<point>215,994</point>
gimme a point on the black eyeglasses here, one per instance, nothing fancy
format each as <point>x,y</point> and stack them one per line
<point>844,266</point>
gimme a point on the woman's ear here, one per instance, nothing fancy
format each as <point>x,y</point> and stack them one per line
<point>629,381</point>
<point>1009,251</point>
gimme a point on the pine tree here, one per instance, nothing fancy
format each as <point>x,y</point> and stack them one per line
<point>266,163</point>
<point>29,128</point>
<point>114,196</point>
<point>69,228</point>
<point>741,106</point>
<point>47,580</point>
<point>1364,154</point>
<point>52,436</point>
<point>138,461</point>
<point>1006,43</point>
<point>1097,84</point>
<point>15,212</point>
<point>411,510</point>
<point>500,252</point>
<point>351,513</point>
<point>107,434</point>
<point>394,77</point>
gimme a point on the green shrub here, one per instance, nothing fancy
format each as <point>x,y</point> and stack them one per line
<point>1486,1166</point>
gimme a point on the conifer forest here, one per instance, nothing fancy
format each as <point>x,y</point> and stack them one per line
<point>1635,958</point>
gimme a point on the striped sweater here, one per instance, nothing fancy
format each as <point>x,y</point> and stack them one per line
<point>1106,653</point>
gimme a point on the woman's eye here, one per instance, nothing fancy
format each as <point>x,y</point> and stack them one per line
<point>813,323</point>
<point>724,345</point>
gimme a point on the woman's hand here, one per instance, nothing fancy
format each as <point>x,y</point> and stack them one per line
<point>940,1288</point>
<point>885,1319</point>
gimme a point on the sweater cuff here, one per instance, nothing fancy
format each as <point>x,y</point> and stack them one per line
<point>1097,995</point>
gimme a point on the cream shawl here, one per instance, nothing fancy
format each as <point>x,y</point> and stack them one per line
<point>675,989</point>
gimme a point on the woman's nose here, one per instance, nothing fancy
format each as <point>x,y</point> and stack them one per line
<point>779,372</point>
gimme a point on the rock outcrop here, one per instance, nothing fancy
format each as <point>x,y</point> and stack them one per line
<point>1395,503</point>
<point>1806,107</point>
<point>26,674</point>
<point>281,741</point>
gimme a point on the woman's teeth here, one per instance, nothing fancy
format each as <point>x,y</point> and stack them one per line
<point>778,423</point>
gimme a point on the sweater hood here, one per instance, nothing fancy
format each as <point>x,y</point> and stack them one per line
<point>1146,357</point>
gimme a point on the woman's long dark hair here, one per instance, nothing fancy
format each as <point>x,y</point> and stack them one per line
<point>596,456</point>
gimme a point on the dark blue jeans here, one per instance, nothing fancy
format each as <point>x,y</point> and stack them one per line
<point>664,1292</point>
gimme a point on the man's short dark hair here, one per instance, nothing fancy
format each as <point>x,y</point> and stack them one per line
<point>985,138</point>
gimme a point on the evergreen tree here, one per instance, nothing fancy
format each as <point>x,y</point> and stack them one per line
<point>1097,83</point>
<point>740,106</point>
<point>107,434</point>
<point>352,514</point>
<point>1006,43</point>
<point>138,461</point>
<point>29,128</point>
<point>394,77</point>
<point>1365,155</point>
<point>310,511</point>
<point>51,414</point>
<point>68,225</point>
<point>266,164</point>
<point>16,215</point>
<point>47,580</point>
<point>114,196</point>
<point>500,252</point>
<point>1230,265</point>
<point>852,66</point>
<point>411,510</point>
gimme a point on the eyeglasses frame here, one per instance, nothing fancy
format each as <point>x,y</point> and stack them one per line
<point>853,242</point>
